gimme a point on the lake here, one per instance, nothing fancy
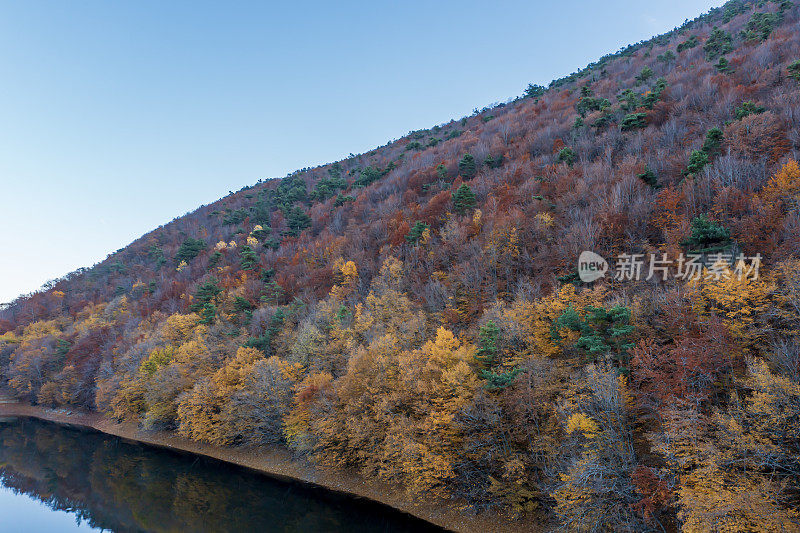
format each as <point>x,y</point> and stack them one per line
<point>55,478</point>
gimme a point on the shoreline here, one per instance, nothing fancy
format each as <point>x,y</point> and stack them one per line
<point>277,462</point>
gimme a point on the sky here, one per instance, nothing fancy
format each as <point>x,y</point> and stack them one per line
<point>116,117</point>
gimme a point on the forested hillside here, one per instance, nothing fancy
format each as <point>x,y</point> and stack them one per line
<point>416,312</point>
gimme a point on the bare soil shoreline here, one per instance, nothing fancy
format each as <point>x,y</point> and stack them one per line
<point>279,463</point>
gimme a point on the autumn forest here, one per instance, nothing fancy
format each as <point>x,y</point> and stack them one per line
<point>416,312</point>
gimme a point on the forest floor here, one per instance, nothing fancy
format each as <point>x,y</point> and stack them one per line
<point>279,463</point>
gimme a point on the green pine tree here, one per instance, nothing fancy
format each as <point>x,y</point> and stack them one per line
<point>467,167</point>
<point>463,199</point>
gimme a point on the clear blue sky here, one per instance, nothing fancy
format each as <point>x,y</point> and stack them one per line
<point>116,117</point>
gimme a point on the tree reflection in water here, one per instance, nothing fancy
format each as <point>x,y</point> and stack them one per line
<point>121,486</point>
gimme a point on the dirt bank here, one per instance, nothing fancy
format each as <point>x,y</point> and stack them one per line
<point>279,463</point>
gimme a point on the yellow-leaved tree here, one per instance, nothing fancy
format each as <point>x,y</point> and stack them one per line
<point>746,475</point>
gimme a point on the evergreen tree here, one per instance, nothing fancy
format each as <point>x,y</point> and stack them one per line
<point>723,65</point>
<point>248,259</point>
<point>467,167</point>
<point>717,44</point>
<point>488,336</point>
<point>649,177</point>
<point>713,142</point>
<point>566,155</point>
<point>794,70</point>
<point>634,121</point>
<point>441,172</point>
<point>707,236</point>
<point>697,161</point>
<point>747,109</point>
<point>205,294</point>
<point>416,232</point>
<point>208,313</point>
<point>534,91</point>
<point>602,332</point>
<point>463,199</point>
<point>189,249</point>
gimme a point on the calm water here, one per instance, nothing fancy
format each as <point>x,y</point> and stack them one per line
<point>60,479</point>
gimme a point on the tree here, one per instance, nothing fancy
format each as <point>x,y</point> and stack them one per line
<point>717,44</point>
<point>691,42</point>
<point>723,65</point>
<point>634,121</point>
<point>707,236</point>
<point>248,259</point>
<point>794,70</point>
<point>760,26</point>
<point>189,249</point>
<point>713,142</point>
<point>740,300</point>
<point>534,91</point>
<point>697,161</point>
<point>463,199</point>
<point>747,479</point>
<point>566,155</point>
<point>649,177</point>
<point>467,167</point>
<point>595,488</point>
<point>644,75</point>
<point>747,109</point>
<point>495,375</point>
<point>417,232</point>
<point>205,294</point>
<point>441,172</point>
<point>605,334</point>
<point>296,220</point>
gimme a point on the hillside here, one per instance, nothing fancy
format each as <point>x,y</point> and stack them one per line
<point>416,312</point>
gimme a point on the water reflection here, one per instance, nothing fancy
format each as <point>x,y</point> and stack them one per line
<point>112,484</point>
